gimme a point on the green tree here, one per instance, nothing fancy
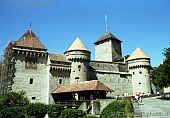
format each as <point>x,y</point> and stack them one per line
<point>12,99</point>
<point>161,74</point>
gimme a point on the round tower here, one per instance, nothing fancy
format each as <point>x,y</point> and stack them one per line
<point>139,67</point>
<point>79,55</point>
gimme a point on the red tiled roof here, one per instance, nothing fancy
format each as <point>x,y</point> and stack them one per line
<point>30,40</point>
<point>83,86</point>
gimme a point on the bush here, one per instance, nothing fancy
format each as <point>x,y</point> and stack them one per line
<point>38,110</point>
<point>72,113</point>
<point>90,117</point>
<point>118,109</point>
<point>13,112</point>
<point>129,107</point>
<point>53,110</point>
<point>12,99</point>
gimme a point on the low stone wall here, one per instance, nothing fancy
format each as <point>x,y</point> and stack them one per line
<point>96,106</point>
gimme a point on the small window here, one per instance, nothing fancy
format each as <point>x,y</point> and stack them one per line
<point>133,73</point>
<point>79,69</point>
<point>79,66</point>
<point>60,81</point>
<point>33,98</point>
<point>122,75</point>
<point>31,81</point>
<point>140,72</point>
<point>76,77</point>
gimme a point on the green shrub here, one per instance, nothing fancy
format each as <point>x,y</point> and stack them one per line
<point>12,99</point>
<point>118,109</point>
<point>90,116</point>
<point>72,113</point>
<point>13,112</point>
<point>53,110</point>
<point>129,107</point>
<point>38,110</point>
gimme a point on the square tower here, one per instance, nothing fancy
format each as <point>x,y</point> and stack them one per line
<point>108,48</point>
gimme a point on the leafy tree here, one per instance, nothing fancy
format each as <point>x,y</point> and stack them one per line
<point>13,99</point>
<point>161,74</point>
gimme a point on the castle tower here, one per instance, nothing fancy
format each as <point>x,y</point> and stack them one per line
<point>108,48</point>
<point>30,60</point>
<point>79,55</point>
<point>139,67</point>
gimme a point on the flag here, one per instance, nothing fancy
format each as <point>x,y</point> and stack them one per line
<point>105,17</point>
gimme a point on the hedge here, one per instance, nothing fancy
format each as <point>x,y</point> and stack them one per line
<point>13,112</point>
<point>38,110</point>
<point>90,116</point>
<point>118,109</point>
<point>72,113</point>
<point>53,110</point>
<point>13,99</point>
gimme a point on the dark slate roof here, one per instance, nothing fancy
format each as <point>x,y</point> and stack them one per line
<point>58,57</point>
<point>107,35</point>
<point>29,40</point>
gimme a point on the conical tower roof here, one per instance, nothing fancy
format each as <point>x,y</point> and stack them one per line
<point>29,40</point>
<point>107,35</point>
<point>77,45</point>
<point>137,54</point>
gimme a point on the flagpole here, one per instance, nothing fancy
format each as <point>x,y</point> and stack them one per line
<point>106,22</point>
<point>106,26</point>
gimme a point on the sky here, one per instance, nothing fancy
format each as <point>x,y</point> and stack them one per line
<point>137,23</point>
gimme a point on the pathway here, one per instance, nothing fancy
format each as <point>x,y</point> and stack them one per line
<point>152,108</point>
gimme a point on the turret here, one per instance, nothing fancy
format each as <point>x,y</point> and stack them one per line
<point>79,55</point>
<point>139,67</point>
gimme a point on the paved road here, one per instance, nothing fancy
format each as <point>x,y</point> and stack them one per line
<point>152,108</point>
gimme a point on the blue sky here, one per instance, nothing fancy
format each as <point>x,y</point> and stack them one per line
<point>137,23</point>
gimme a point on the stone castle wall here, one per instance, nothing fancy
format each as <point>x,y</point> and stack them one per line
<point>140,69</point>
<point>108,50</point>
<point>103,51</point>
<point>109,75</point>
<point>33,81</point>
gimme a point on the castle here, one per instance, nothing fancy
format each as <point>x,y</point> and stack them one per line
<point>47,77</point>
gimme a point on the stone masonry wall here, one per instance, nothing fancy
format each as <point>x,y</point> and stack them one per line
<point>33,81</point>
<point>103,51</point>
